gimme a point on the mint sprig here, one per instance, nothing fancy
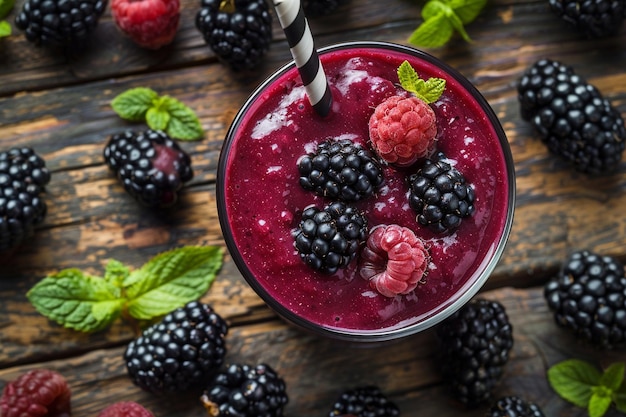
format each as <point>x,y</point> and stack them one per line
<point>442,18</point>
<point>159,112</point>
<point>5,8</point>
<point>427,90</point>
<point>585,386</point>
<point>88,303</point>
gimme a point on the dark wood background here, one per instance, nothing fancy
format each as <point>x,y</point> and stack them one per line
<point>60,105</point>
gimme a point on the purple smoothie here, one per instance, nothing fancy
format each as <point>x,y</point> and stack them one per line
<point>262,200</point>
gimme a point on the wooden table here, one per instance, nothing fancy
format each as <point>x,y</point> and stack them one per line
<point>60,106</point>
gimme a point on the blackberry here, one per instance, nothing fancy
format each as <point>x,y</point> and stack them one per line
<point>595,18</point>
<point>474,347</point>
<point>59,22</point>
<point>588,297</point>
<point>340,169</point>
<point>329,239</point>
<point>246,391</point>
<point>180,352</point>
<point>313,8</point>
<point>23,176</point>
<point>512,406</point>
<point>150,165</point>
<point>238,31</point>
<point>573,119</point>
<point>440,195</point>
<point>365,401</point>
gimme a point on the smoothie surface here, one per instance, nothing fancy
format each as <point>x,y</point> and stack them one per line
<point>264,200</point>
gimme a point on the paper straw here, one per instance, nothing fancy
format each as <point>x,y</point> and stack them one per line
<point>298,34</point>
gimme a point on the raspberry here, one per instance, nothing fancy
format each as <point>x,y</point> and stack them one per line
<point>366,401</point>
<point>37,393</point>
<point>149,23</point>
<point>402,130</point>
<point>150,165</point>
<point>246,391</point>
<point>125,409</point>
<point>394,260</point>
<point>180,352</point>
<point>238,31</point>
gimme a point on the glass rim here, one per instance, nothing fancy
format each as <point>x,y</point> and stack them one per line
<point>436,315</point>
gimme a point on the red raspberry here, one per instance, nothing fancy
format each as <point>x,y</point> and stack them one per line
<point>402,130</point>
<point>394,260</point>
<point>37,393</point>
<point>125,409</point>
<point>149,23</point>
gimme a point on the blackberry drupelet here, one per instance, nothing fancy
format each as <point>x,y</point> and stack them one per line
<point>573,119</point>
<point>150,165</point>
<point>180,352</point>
<point>313,8</point>
<point>440,195</point>
<point>59,22</point>
<point>474,347</point>
<point>588,297</point>
<point>329,239</point>
<point>23,176</point>
<point>238,31</point>
<point>512,406</point>
<point>365,401</point>
<point>242,390</point>
<point>595,18</point>
<point>340,169</point>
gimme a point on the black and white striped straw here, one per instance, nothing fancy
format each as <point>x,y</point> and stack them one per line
<point>302,47</point>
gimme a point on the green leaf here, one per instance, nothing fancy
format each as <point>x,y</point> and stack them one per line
<point>428,91</point>
<point>613,376</point>
<point>157,118</point>
<point>133,104</point>
<point>434,8</point>
<point>599,402</point>
<point>433,33</point>
<point>184,124</point>
<point>5,8</point>
<point>76,301</point>
<point>619,397</point>
<point>115,273</point>
<point>5,29</point>
<point>172,279</point>
<point>458,25</point>
<point>467,10</point>
<point>573,380</point>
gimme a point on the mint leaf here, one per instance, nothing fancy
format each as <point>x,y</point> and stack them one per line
<point>428,91</point>
<point>619,397</point>
<point>573,380</point>
<point>157,118</point>
<point>115,273</point>
<point>434,8</point>
<point>433,33</point>
<point>184,124</point>
<point>458,25</point>
<point>76,301</point>
<point>5,29</point>
<point>613,376</point>
<point>133,104</point>
<point>467,10</point>
<point>5,8</point>
<point>171,279</point>
<point>599,402</point>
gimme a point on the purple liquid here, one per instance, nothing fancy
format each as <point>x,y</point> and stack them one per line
<point>264,201</point>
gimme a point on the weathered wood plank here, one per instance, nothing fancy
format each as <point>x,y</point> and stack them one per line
<point>406,370</point>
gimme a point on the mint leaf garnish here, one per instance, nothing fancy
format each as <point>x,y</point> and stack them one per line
<point>584,385</point>
<point>159,112</point>
<point>76,300</point>
<point>441,18</point>
<point>87,303</point>
<point>5,8</point>
<point>171,279</point>
<point>5,29</point>
<point>427,90</point>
